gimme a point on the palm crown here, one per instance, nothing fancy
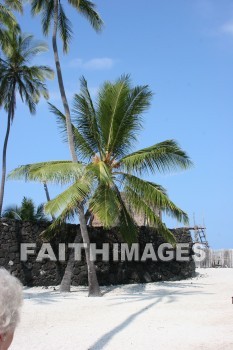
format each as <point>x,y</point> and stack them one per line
<point>17,75</point>
<point>46,9</point>
<point>104,135</point>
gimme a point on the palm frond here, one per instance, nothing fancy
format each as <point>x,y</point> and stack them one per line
<point>64,26</point>
<point>71,197</point>
<point>68,213</point>
<point>58,172</point>
<point>12,212</point>
<point>84,117</point>
<point>40,214</point>
<point>87,9</point>
<point>104,205</point>
<point>111,106</point>
<point>16,5</point>
<point>38,5</point>
<point>47,15</point>
<point>127,226</point>
<point>154,196</point>
<point>83,149</point>
<point>141,207</point>
<point>162,157</point>
<point>127,122</point>
<point>101,172</point>
<point>7,20</point>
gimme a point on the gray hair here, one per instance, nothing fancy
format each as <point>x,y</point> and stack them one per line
<point>10,301</point>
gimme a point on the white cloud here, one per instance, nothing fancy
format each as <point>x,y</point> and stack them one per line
<point>227,28</point>
<point>93,64</point>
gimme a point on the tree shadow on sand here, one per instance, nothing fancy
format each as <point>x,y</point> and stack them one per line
<point>138,293</point>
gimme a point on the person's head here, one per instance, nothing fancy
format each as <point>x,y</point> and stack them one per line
<point>10,302</point>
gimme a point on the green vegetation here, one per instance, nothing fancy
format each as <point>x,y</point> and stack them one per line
<point>18,76</point>
<point>104,138</point>
<point>27,211</point>
<point>101,136</point>
<point>7,18</point>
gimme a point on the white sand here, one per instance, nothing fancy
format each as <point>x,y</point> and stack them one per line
<point>185,315</point>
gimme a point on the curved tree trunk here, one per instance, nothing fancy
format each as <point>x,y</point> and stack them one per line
<point>92,278</point>
<point>94,289</point>
<point>48,196</point>
<point>67,277</point>
<point>3,180</point>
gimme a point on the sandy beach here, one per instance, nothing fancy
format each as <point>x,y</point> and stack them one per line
<point>191,314</point>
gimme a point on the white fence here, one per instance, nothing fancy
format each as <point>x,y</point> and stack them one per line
<point>217,258</point>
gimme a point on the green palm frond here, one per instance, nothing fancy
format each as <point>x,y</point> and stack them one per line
<point>127,225</point>
<point>12,212</point>
<point>40,73</point>
<point>108,206</point>
<point>104,205</point>
<point>84,118</point>
<point>40,215</point>
<point>46,9</point>
<point>154,196</point>
<point>58,172</point>
<point>64,26</point>
<point>111,107</point>
<point>128,122</point>
<point>68,213</point>
<point>71,197</point>
<point>7,18</point>
<point>87,9</point>
<point>101,172</point>
<point>161,157</point>
<point>47,15</point>
<point>83,149</point>
<point>16,5</point>
<point>141,207</point>
<point>119,114</point>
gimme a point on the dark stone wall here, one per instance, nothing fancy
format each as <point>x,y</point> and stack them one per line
<point>32,273</point>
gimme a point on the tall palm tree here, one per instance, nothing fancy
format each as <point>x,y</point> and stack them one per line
<point>27,211</point>
<point>18,76</point>
<point>105,134</point>
<point>53,14</point>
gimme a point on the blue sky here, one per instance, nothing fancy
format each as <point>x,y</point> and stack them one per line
<point>184,51</point>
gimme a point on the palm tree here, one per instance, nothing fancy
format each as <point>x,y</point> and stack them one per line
<point>17,76</point>
<point>53,13</point>
<point>105,134</point>
<point>26,212</point>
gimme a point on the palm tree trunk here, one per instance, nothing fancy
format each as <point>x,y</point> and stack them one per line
<point>61,85</point>
<point>48,196</point>
<point>3,180</point>
<point>93,285</point>
<point>92,278</point>
<point>67,277</point>
<point>94,289</point>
